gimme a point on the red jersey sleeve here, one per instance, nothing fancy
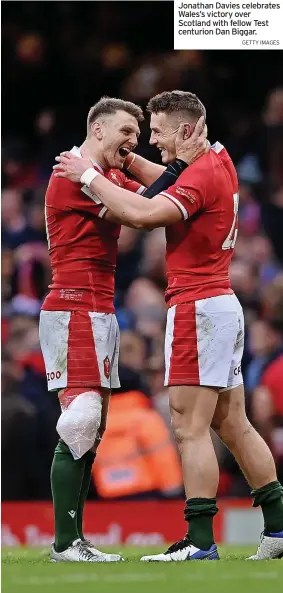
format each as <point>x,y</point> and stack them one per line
<point>189,192</point>
<point>91,203</point>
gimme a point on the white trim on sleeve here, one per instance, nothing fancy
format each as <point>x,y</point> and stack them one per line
<point>102,212</point>
<point>179,204</point>
<point>141,189</point>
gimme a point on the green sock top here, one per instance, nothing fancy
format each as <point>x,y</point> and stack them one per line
<point>199,513</point>
<point>269,497</point>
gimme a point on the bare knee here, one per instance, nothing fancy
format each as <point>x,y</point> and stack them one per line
<point>232,429</point>
<point>187,430</point>
<point>229,420</point>
<point>191,411</point>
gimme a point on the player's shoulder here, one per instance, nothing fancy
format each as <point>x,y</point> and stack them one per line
<point>61,193</point>
<point>198,171</point>
<point>61,184</point>
<point>213,157</point>
<point>219,151</point>
<point>58,183</point>
<point>204,167</point>
<point>220,156</point>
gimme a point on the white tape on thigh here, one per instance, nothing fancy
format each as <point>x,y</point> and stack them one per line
<point>79,423</point>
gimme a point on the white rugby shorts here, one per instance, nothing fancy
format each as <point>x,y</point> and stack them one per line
<point>204,343</point>
<point>80,349</point>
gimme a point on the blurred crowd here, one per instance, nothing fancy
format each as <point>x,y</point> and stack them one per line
<point>56,63</point>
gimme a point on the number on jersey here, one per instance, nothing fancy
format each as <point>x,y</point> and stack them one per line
<point>230,240</point>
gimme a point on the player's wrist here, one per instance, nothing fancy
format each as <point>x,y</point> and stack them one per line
<point>129,161</point>
<point>88,176</point>
<point>183,160</point>
<point>177,166</point>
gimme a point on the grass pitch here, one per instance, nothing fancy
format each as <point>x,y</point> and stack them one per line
<point>28,570</point>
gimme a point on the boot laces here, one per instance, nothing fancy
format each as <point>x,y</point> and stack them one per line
<point>180,545</point>
<point>87,543</point>
<point>84,551</point>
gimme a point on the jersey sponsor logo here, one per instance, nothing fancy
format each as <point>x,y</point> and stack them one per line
<point>106,364</point>
<point>71,294</point>
<point>53,375</point>
<point>185,193</point>
<point>237,370</point>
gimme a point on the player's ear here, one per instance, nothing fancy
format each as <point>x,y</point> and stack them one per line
<point>96,130</point>
<point>187,131</point>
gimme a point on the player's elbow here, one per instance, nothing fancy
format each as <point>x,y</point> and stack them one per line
<point>139,220</point>
<point>136,223</point>
<point>142,218</point>
<point>143,224</point>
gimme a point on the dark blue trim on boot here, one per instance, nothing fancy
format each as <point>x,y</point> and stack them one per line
<point>279,534</point>
<point>211,554</point>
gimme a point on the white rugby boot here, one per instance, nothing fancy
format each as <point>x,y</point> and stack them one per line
<point>270,547</point>
<point>79,551</point>
<point>104,556</point>
<point>183,550</point>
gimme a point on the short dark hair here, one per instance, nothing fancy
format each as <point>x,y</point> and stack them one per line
<point>109,106</point>
<point>176,101</point>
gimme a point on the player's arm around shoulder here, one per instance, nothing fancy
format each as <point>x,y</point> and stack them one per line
<point>136,210</point>
<point>159,212</point>
<point>118,178</point>
<point>129,208</point>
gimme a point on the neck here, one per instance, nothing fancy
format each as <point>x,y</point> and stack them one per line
<point>90,150</point>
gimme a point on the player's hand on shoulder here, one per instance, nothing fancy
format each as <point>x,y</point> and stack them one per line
<point>71,167</point>
<point>191,147</point>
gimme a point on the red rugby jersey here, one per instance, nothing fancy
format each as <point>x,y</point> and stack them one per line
<point>201,246</point>
<point>82,245</point>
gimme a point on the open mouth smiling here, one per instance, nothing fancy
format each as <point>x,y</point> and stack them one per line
<point>124,151</point>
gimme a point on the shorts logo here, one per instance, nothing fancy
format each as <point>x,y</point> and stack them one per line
<point>52,376</point>
<point>106,364</point>
<point>237,370</point>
